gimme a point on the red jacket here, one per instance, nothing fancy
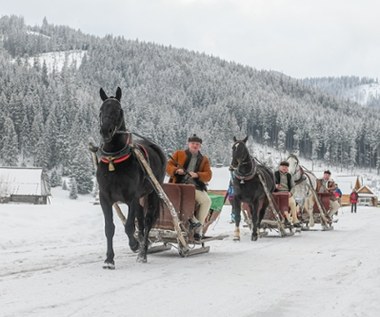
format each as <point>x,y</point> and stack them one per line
<point>354,197</point>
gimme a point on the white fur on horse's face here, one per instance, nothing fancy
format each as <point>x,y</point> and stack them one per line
<point>292,165</point>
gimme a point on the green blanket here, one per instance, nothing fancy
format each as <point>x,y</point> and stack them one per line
<point>217,202</point>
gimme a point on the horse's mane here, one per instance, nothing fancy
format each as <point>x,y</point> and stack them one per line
<point>295,157</point>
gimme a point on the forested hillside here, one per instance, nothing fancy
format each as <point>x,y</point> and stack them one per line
<point>365,91</point>
<point>48,117</point>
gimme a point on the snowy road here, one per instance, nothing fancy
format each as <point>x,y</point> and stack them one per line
<point>51,257</point>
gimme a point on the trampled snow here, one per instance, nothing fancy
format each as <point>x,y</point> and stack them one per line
<point>51,258</point>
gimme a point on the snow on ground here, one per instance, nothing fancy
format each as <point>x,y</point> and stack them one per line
<point>364,93</point>
<point>56,60</point>
<point>51,258</point>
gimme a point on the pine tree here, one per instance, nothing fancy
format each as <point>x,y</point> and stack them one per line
<point>42,152</point>
<point>64,185</point>
<point>73,189</point>
<point>9,152</point>
<point>281,141</point>
<point>24,140</point>
<point>82,170</point>
<point>55,179</point>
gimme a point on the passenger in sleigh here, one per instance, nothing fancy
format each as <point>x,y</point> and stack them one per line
<point>285,183</point>
<point>327,185</point>
<point>191,167</point>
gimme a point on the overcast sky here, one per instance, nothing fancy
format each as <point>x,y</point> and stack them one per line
<point>301,38</point>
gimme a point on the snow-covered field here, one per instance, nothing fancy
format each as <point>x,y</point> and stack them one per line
<point>51,258</point>
<point>55,60</point>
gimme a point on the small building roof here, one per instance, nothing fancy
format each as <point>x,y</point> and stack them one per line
<point>365,190</point>
<point>22,181</point>
<point>346,183</point>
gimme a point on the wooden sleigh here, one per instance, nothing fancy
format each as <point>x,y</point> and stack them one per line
<point>320,212</point>
<point>281,205</point>
<point>182,197</point>
<point>172,229</point>
<point>274,218</point>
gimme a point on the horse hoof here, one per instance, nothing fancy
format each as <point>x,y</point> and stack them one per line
<point>108,266</point>
<point>141,259</point>
<point>236,238</point>
<point>135,247</point>
<point>253,237</point>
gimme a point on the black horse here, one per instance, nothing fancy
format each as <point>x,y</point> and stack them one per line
<point>248,187</point>
<point>122,179</point>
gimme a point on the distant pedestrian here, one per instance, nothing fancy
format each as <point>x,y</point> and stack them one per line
<point>338,194</point>
<point>354,200</point>
<point>230,196</point>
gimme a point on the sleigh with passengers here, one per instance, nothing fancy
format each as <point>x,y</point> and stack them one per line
<point>254,196</point>
<point>163,235</point>
<point>313,206</point>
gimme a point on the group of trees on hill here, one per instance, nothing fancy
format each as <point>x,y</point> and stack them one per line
<point>48,118</point>
<point>349,87</point>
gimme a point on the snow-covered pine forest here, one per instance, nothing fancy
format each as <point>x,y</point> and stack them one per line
<point>365,91</point>
<point>50,113</point>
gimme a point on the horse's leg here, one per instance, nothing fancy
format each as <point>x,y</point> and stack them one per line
<point>309,206</point>
<point>151,214</point>
<point>109,228</point>
<point>263,209</point>
<point>134,209</point>
<point>139,215</point>
<point>236,209</point>
<point>255,219</point>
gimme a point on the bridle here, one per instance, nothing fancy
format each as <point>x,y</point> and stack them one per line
<point>298,170</point>
<point>117,128</point>
<point>241,162</point>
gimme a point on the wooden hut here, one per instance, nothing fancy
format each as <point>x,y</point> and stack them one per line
<point>367,197</point>
<point>25,185</point>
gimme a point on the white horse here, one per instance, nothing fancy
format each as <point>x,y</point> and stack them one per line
<point>304,181</point>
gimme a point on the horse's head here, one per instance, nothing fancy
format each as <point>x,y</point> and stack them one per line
<point>239,152</point>
<point>293,164</point>
<point>111,118</point>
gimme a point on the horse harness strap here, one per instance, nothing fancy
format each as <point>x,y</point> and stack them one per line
<point>111,160</point>
<point>246,177</point>
<point>302,178</point>
<point>121,156</point>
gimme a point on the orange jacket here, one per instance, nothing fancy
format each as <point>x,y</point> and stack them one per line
<point>202,167</point>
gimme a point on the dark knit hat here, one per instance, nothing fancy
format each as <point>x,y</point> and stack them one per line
<point>195,138</point>
<point>327,172</point>
<point>284,163</point>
